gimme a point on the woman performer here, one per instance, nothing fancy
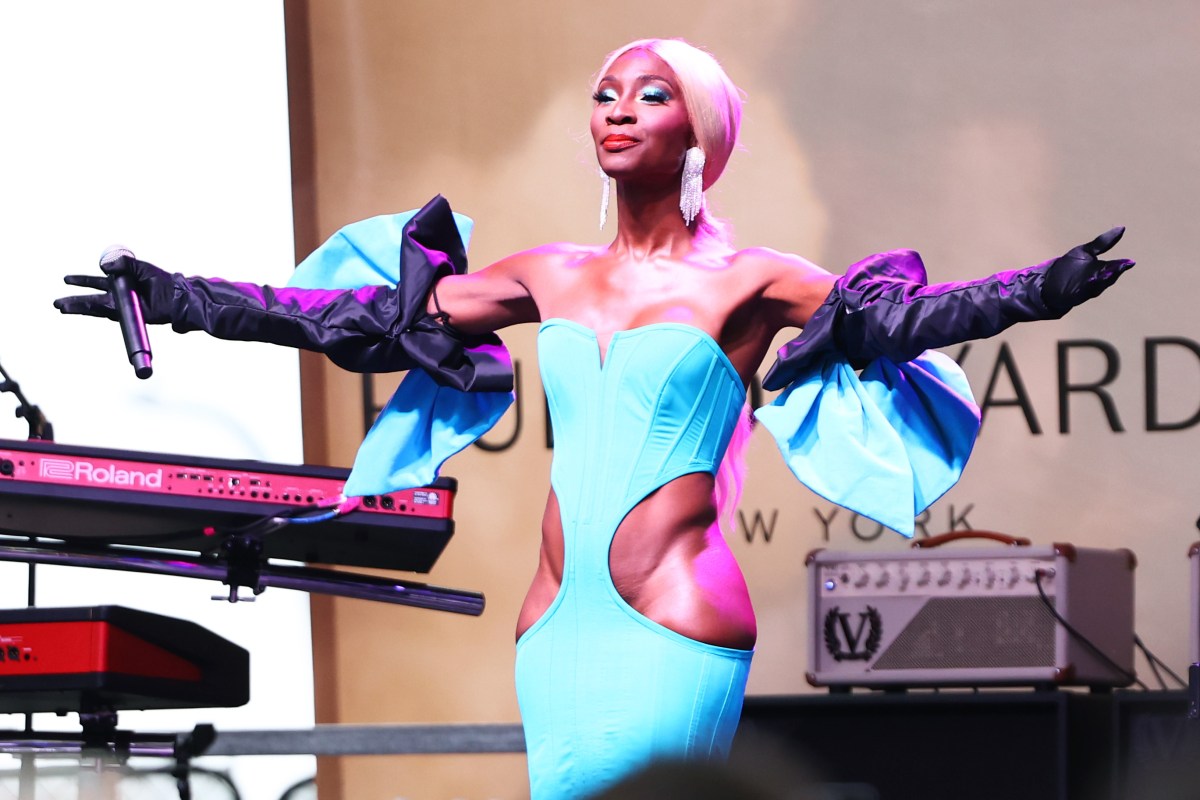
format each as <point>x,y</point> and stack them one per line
<point>635,639</point>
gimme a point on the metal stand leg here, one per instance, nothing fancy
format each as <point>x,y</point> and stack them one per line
<point>1194,692</point>
<point>101,743</point>
<point>27,781</point>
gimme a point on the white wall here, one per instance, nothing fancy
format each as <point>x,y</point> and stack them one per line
<point>163,127</point>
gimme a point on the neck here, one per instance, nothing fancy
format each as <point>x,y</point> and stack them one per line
<point>649,223</point>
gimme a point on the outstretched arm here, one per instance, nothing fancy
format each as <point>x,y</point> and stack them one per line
<point>883,307</point>
<point>375,328</point>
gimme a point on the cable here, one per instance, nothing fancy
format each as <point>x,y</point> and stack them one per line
<point>258,526</point>
<point>1037,579</point>
<point>328,515</point>
<point>336,507</point>
<point>304,516</point>
<point>1154,668</point>
<point>1153,659</point>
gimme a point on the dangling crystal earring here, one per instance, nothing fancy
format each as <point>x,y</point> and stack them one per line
<point>604,198</point>
<point>691,194</point>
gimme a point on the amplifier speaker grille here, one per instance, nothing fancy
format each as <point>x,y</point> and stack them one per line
<point>974,632</point>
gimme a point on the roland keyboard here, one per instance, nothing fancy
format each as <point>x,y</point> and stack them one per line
<point>86,495</point>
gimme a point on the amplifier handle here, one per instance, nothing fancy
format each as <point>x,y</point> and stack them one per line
<point>952,536</point>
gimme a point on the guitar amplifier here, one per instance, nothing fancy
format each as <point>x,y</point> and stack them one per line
<point>972,618</point>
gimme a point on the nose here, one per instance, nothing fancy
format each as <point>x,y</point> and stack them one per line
<point>621,112</point>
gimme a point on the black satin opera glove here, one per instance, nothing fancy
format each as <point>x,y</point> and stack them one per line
<point>883,306</point>
<point>370,329</point>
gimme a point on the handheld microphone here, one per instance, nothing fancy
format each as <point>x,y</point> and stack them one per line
<point>129,309</point>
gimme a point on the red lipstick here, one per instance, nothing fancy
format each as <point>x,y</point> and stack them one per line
<point>616,142</point>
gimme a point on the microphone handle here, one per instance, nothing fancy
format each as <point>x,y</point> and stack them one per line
<point>133,326</point>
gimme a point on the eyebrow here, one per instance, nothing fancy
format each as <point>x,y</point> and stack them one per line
<point>640,79</point>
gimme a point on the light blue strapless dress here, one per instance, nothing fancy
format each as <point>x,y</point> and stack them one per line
<point>603,689</point>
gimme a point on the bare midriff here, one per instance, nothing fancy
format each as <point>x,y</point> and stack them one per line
<point>668,561</point>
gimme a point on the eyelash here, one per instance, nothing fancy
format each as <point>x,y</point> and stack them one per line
<point>654,95</point>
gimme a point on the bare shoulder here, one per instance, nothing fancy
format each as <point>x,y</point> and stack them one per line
<point>527,264</point>
<point>794,286</point>
<point>775,262</point>
<point>506,292</point>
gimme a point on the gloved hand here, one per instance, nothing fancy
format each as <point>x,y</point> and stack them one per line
<point>155,288</point>
<point>1079,275</point>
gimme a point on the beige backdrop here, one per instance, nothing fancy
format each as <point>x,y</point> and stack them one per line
<point>984,135</point>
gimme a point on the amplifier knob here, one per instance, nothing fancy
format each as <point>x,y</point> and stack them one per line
<point>924,578</point>
<point>965,580</point>
<point>944,578</point>
<point>883,579</point>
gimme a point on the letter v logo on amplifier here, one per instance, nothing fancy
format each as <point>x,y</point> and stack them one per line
<point>839,629</point>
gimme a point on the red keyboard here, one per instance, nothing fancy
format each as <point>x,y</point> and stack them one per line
<point>179,502</point>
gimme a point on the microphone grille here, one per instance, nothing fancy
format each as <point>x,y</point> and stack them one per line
<point>114,252</point>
